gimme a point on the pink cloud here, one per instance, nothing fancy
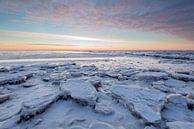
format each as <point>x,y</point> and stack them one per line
<point>175,17</point>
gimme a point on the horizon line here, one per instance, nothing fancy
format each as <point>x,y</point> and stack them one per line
<point>99,50</point>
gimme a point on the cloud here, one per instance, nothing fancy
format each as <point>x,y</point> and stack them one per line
<point>61,37</point>
<point>168,16</point>
<point>62,45</point>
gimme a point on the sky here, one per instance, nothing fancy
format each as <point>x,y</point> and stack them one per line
<point>96,24</point>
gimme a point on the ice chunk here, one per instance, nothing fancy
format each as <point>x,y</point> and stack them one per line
<point>103,106</point>
<point>159,85</point>
<point>100,125</point>
<point>9,123</point>
<point>180,125</point>
<point>3,98</point>
<point>146,103</point>
<point>129,72</point>
<point>8,110</point>
<point>172,86</point>
<point>80,90</point>
<point>89,68</point>
<point>36,106</point>
<point>152,76</point>
<point>76,74</point>
<point>174,83</point>
<point>112,74</point>
<point>190,95</point>
<point>178,108</point>
<point>14,79</point>
<point>183,77</point>
<point>149,127</point>
<point>30,83</point>
<point>3,70</point>
<point>55,78</point>
<point>96,82</point>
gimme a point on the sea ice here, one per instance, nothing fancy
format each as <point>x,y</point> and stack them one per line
<point>180,125</point>
<point>146,103</point>
<point>152,76</point>
<point>178,108</point>
<point>124,90</point>
<point>80,90</point>
<point>183,77</point>
<point>4,97</point>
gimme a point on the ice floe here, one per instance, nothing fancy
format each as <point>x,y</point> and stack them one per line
<point>124,91</point>
<point>178,108</point>
<point>81,91</point>
<point>146,103</point>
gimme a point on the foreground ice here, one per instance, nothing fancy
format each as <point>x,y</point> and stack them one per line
<point>147,92</point>
<point>146,103</point>
<point>81,91</point>
<point>180,125</point>
<point>178,108</point>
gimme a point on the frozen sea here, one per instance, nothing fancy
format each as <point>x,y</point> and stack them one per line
<point>96,89</point>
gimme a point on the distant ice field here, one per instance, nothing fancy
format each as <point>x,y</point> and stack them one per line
<point>168,60</point>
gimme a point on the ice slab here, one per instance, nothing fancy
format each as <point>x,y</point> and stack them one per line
<point>146,103</point>
<point>82,91</point>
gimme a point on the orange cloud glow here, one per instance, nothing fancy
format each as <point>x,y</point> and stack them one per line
<point>21,40</point>
<point>133,45</point>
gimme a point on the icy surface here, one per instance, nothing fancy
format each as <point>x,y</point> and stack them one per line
<point>180,125</point>
<point>152,76</point>
<point>178,108</point>
<point>145,103</point>
<point>3,98</point>
<point>80,90</point>
<point>97,90</point>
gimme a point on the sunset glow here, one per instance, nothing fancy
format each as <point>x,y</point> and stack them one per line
<point>96,25</point>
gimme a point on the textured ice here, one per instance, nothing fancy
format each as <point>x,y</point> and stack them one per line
<point>100,125</point>
<point>152,76</point>
<point>146,103</point>
<point>104,105</point>
<point>30,83</point>
<point>80,90</point>
<point>96,82</point>
<point>3,98</point>
<point>14,79</point>
<point>178,108</point>
<point>174,86</point>
<point>97,89</point>
<point>150,127</point>
<point>180,125</point>
<point>183,77</point>
<point>37,106</point>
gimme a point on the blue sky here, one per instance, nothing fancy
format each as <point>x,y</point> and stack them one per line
<point>102,24</point>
